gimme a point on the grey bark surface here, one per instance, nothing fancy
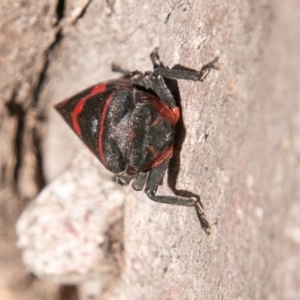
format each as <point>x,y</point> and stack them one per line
<point>246,170</point>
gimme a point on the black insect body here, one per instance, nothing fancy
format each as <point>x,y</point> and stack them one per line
<point>129,125</point>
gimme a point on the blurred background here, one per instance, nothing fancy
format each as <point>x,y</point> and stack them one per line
<point>246,170</point>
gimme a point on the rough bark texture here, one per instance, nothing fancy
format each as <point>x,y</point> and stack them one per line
<point>246,171</point>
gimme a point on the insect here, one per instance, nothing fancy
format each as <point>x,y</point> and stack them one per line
<point>129,125</point>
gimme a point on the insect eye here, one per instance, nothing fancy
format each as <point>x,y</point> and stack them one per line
<point>93,125</point>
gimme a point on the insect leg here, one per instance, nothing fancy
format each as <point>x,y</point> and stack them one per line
<point>188,74</point>
<point>157,84</point>
<point>124,178</point>
<point>155,80</point>
<point>155,59</point>
<point>116,68</point>
<point>139,181</point>
<point>154,179</point>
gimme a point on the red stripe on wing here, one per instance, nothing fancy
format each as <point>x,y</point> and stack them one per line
<point>79,106</point>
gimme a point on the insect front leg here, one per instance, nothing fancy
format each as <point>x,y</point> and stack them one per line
<point>188,74</point>
<point>155,59</point>
<point>155,80</point>
<point>124,178</point>
<point>157,84</point>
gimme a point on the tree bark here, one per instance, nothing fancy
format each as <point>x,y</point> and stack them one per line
<point>246,170</point>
